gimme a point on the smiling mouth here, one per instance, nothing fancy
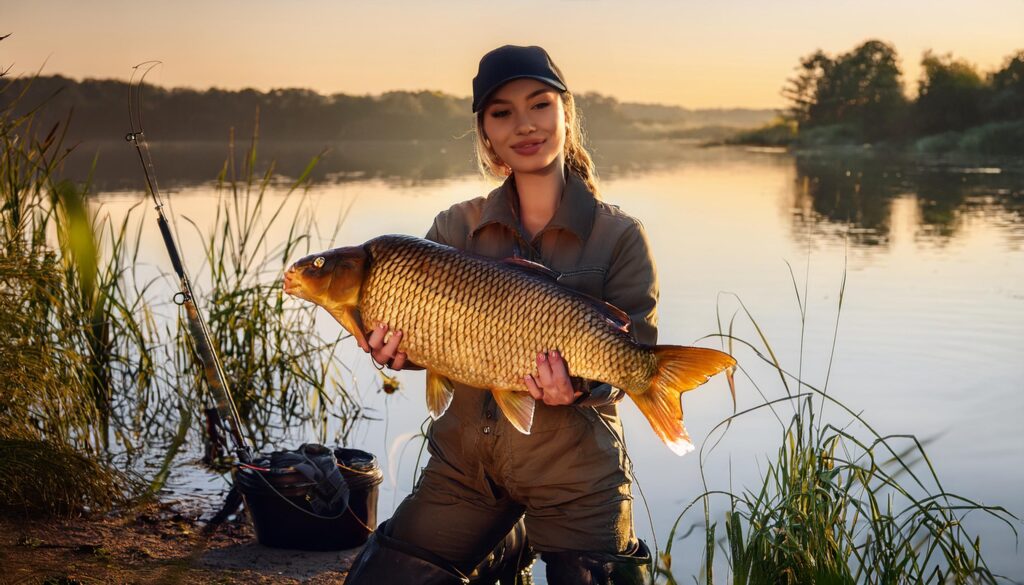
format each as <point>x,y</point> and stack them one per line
<point>529,147</point>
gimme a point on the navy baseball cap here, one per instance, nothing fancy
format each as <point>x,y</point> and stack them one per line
<point>511,62</point>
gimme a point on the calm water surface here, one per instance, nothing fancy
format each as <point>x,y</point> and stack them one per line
<point>929,337</point>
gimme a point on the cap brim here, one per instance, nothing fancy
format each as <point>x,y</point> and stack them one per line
<point>477,105</point>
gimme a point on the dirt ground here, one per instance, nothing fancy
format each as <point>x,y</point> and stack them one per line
<point>159,544</point>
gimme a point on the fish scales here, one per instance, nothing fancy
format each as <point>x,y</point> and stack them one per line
<point>484,323</point>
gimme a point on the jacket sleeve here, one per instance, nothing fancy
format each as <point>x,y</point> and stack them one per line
<point>451,227</point>
<point>434,234</point>
<point>631,284</point>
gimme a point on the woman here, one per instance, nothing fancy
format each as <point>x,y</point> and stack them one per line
<point>569,477</point>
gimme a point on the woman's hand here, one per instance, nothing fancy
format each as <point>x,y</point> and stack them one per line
<point>386,354</point>
<point>552,384</point>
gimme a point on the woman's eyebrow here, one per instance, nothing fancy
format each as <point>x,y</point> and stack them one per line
<point>529,97</point>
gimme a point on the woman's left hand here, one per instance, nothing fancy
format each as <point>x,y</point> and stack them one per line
<point>552,384</point>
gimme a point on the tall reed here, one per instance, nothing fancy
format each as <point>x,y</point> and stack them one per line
<point>834,505</point>
<point>94,372</point>
<point>68,331</point>
<point>285,377</point>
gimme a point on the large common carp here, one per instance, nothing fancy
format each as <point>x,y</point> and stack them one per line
<point>482,322</point>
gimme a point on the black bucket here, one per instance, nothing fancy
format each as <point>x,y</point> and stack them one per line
<point>281,503</point>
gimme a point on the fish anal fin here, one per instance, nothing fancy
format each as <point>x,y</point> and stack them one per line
<point>517,407</point>
<point>439,394</point>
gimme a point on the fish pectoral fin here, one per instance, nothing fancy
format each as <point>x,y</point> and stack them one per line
<point>439,394</point>
<point>518,408</point>
<point>352,320</point>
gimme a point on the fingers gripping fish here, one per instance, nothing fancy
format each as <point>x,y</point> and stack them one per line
<point>482,323</point>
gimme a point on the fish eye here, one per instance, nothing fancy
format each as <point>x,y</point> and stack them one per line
<point>318,262</point>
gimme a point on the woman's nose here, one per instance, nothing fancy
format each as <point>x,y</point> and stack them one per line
<point>524,125</point>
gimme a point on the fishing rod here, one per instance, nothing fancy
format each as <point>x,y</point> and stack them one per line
<point>198,329</point>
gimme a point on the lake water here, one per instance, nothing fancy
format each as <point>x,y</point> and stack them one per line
<point>929,338</point>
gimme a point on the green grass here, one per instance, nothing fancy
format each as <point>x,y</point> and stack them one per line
<point>840,502</point>
<point>42,476</point>
<point>778,133</point>
<point>65,331</point>
<point>992,139</point>
<point>283,373</point>
<point>93,371</point>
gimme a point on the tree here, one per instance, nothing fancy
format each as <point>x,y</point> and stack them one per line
<point>1007,100</point>
<point>862,89</point>
<point>802,90</point>
<point>951,95</point>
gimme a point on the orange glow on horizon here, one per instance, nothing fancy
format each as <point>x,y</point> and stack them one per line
<point>733,54</point>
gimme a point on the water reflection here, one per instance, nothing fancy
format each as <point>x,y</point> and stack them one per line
<point>835,195</point>
<point>853,195</point>
<point>188,164</point>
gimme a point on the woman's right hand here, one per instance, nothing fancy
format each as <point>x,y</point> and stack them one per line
<point>386,353</point>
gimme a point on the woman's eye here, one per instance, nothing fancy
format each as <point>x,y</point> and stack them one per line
<point>499,113</point>
<point>541,105</point>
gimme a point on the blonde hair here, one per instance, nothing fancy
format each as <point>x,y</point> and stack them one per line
<point>577,159</point>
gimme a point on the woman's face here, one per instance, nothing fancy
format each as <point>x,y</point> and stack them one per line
<point>525,124</point>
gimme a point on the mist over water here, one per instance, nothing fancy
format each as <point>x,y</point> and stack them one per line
<point>928,342</point>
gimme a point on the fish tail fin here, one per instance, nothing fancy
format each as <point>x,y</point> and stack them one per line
<point>679,369</point>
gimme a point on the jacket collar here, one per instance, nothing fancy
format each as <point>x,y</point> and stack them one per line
<point>575,212</point>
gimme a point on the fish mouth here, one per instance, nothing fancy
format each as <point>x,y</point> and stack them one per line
<point>291,285</point>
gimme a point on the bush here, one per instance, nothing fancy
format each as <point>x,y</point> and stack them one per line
<point>41,477</point>
<point>778,133</point>
<point>938,143</point>
<point>832,135</point>
<point>998,138</point>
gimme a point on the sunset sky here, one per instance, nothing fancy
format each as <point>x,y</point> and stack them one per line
<point>693,54</point>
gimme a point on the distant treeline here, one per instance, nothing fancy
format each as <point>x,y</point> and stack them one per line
<point>100,111</point>
<point>859,97</point>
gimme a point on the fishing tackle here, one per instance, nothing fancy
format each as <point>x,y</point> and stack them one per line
<point>213,369</point>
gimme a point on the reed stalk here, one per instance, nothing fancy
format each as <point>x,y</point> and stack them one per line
<point>94,375</point>
<point>834,505</point>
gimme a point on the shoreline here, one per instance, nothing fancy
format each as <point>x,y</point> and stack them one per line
<point>159,543</point>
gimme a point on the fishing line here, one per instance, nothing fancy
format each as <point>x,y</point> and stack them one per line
<point>213,369</point>
<point>298,507</point>
<point>348,507</point>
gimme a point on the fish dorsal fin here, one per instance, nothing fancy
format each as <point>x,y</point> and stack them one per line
<point>613,314</point>
<point>517,407</point>
<point>439,394</point>
<point>535,268</point>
